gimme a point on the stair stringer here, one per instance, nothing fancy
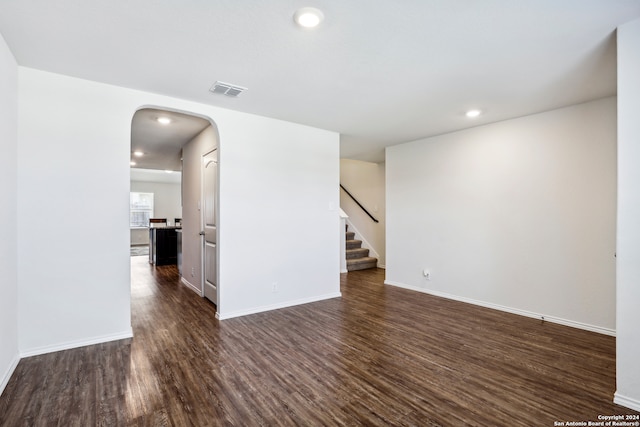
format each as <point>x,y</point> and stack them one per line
<point>365,243</point>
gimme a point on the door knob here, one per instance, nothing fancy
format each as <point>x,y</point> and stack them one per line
<point>202,233</point>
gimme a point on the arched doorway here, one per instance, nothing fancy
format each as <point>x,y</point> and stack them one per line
<point>167,143</point>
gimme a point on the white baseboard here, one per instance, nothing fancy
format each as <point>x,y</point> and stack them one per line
<point>344,271</point>
<point>191,286</point>
<point>627,402</point>
<point>75,344</point>
<point>9,372</point>
<point>539,316</point>
<point>264,308</point>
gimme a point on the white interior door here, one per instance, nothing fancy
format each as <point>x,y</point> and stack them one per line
<point>209,226</point>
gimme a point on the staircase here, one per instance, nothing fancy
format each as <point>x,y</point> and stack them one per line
<point>357,257</point>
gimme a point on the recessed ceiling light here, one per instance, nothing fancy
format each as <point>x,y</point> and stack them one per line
<point>473,113</point>
<point>308,17</point>
<point>164,120</point>
<point>132,163</point>
<point>168,171</point>
<point>138,153</point>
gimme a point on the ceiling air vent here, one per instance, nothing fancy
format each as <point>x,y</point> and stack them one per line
<point>227,89</point>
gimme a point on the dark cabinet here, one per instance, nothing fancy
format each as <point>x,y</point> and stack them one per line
<point>163,245</point>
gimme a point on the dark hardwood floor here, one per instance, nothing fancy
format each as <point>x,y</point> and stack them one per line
<point>377,356</point>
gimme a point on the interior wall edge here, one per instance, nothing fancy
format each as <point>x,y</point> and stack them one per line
<point>262,309</point>
<point>9,372</point>
<point>627,402</point>
<point>191,286</point>
<point>76,344</point>
<point>512,310</point>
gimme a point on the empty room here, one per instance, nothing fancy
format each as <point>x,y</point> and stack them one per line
<point>328,213</point>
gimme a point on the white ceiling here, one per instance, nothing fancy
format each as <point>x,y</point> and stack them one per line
<point>160,144</point>
<point>380,72</point>
<point>154,175</point>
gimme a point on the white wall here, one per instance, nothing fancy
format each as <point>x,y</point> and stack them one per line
<point>517,215</point>
<point>279,216</point>
<point>166,204</point>
<point>366,182</point>
<point>8,219</point>
<point>628,288</point>
<point>192,153</point>
<point>278,180</point>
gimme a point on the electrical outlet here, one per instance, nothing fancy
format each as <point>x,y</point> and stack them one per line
<point>427,274</point>
<point>274,287</point>
<point>193,271</point>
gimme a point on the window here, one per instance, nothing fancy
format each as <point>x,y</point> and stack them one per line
<point>140,209</point>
